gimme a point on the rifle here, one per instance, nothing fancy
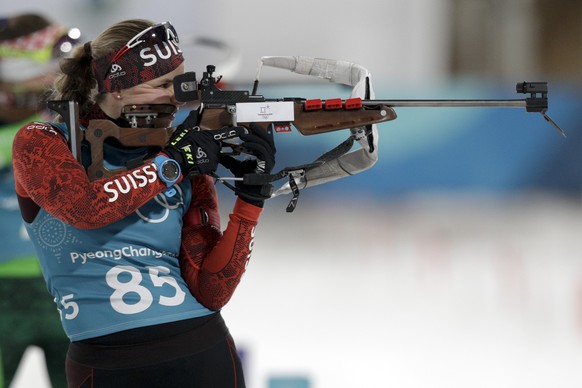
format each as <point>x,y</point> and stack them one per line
<point>315,116</point>
<point>360,113</point>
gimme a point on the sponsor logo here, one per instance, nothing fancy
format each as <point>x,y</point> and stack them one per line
<point>250,247</point>
<point>201,156</point>
<point>225,135</point>
<point>261,165</point>
<point>187,152</point>
<point>116,71</point>
<point>116,254</point>
<point>42,127</point>
<point>179,137</point>
<point>200,153</point>
<point>131,181</point>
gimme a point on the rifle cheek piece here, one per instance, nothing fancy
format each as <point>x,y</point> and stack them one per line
<point>149,127</point>
<point>99,131</point>
<point>149,115</point>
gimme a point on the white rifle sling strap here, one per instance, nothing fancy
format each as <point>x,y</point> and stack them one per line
<point>337,163</point>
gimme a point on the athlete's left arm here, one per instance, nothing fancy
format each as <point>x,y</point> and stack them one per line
<point>213,262</point>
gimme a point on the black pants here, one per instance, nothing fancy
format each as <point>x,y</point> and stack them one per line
<point>193,353</point>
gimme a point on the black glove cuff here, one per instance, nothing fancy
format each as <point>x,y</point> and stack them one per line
<point>254,202</point>
<point>255,195</point>
<point>174,154</point>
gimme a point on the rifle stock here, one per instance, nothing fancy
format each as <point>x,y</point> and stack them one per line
<point>99,131</point>
<point>306,119</point>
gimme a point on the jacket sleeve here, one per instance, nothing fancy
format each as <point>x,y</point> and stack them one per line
<point>47,174</point>
<point>213,262</point>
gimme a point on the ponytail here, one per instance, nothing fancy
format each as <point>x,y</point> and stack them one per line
<point>77,81</point>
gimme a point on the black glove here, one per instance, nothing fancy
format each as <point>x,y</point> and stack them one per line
<point>196,151</point>
<point>192,120</point>
<point>258,143</point>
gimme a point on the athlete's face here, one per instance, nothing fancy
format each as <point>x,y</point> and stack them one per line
<point>156,91</point>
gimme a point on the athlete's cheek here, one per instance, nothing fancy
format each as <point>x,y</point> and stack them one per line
<point>160,96</point>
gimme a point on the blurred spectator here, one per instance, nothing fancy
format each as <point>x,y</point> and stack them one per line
<point>30,47</point>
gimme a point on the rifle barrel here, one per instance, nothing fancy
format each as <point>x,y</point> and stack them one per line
<point>531,104</point>
<point>448,103</point>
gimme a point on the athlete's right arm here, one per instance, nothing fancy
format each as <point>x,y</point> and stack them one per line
<point>48,176</point>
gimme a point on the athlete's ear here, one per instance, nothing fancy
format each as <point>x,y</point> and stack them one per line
<point>112,103</point>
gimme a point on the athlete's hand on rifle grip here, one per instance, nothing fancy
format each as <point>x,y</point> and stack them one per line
<point>259,143</point>
<point>197,151</point>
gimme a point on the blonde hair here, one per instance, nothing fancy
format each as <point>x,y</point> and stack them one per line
<point>76,80</point>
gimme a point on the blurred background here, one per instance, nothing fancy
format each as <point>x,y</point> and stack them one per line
<point>455,260</point>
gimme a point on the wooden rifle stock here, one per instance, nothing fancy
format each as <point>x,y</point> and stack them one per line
<point>322,121</point>
<point>307,119</point>
<point>310,117</point>
<point>100,130</point>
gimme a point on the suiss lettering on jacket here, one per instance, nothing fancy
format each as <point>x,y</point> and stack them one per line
<point>131,181</point>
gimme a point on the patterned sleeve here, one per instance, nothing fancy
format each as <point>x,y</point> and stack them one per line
<point>212,262</point>
<point>47,173</point>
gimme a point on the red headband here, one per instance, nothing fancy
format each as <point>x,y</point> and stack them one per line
<point>148,55</point>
